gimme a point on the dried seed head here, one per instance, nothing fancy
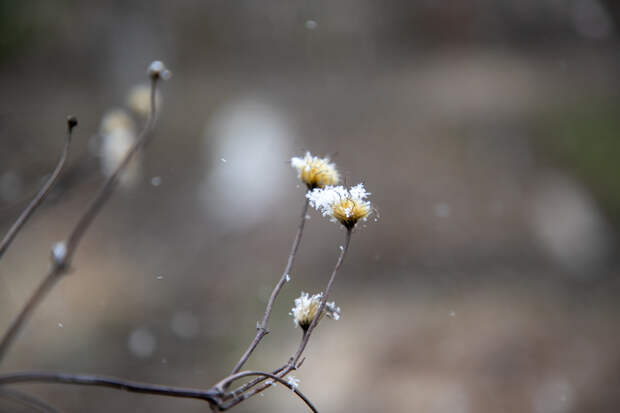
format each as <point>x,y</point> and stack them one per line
<point>315,172</point>
<point>342,205</point>
<point>307,307</point>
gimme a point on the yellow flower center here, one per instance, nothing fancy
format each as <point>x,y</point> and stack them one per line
<point>318,173</point>
<point>349,211</point>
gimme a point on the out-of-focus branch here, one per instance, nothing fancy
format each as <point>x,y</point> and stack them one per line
<point>62,252</point>
<point>262,327</point>
<point>43,192</point>
<point>110,184</point>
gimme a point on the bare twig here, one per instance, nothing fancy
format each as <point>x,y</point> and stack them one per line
<point>48,282</point>
<point>110,184</point>
<point>43,192</point>
<point>28,400</point>
<point>308,332</point>
<point>280,380</point>
<point>294,361</point>
<point>239,390</point>
<point>217,397</point>
<point>252,388</point>
<point>112,382</point>
<point>63,252</point>
<point>262,327</point>
<point>210,396</point>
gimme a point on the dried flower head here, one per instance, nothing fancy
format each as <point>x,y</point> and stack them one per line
<point>315,172</point>
<point>345,206</point>
<point>307,307</point>
<point>139,100</point>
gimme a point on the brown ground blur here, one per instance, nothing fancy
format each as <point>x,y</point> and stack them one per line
<point>485,130</point>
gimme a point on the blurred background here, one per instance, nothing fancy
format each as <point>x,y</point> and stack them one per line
<point>487,131</point>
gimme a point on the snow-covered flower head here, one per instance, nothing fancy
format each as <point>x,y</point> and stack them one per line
<point>344,205</point>
<point>307,307</point>
<point>315,172</point>
<point>139,100</point>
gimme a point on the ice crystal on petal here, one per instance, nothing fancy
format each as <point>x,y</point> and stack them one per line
<point>306,308</point>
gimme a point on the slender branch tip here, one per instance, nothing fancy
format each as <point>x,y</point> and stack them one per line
<point>157,70</point>
<point>72,122</point>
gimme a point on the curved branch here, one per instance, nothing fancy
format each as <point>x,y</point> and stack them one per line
<point>43,192</point>
<point>294,360</point>
<point>242,374</point>
<point>241,389</point>
<point>111,382</point>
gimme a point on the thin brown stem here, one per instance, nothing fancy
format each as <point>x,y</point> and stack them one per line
<point>109,185</point>
<point>242,374</point>
<point>111,382</point>
<point>43,192</point>
<point>48,282</point>
<point>61,258</point>
<point>262,327</point>
<point>231,394</point>
<point>253,388</point>
<point>295,360</point>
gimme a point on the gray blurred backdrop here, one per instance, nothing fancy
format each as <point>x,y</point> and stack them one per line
<point>486,130</point>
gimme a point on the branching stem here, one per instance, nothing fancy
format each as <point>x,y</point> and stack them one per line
<point>61,263</point>
<point>280,380</point>
<point>306,336</point>
<point>262,327</point>
<point>294,361</point>
<point>43,192</point>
